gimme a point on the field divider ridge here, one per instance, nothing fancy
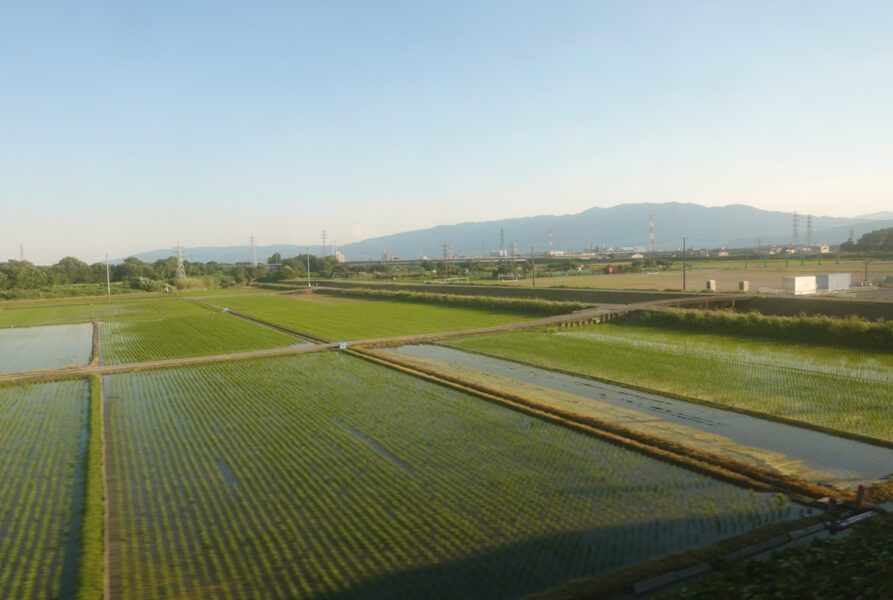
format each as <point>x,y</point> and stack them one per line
<point>95,358</point>
<point>731,471</point>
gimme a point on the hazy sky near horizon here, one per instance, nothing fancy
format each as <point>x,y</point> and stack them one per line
<point>126,127</point>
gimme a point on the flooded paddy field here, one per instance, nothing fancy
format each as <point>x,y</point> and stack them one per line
<point>47,347</point>
<point>328,476</point>
<point>793,450</point>
<point>829,386</point>
<point>42,437</point>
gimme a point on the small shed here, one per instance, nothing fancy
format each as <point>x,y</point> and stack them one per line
<point>799,285</point>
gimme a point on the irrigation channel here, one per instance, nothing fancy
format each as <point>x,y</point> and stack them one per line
<point>844,462</point>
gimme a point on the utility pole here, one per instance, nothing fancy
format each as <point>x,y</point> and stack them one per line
<point>533,258</point>
<point>683,264</point>
<point>108,278</point>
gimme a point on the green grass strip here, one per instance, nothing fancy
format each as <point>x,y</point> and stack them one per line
<point>529,305</point>
<point>91,570</point>
<point>850,331</point>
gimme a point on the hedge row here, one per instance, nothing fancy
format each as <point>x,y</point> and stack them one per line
<point>528,305</point>
<point>850,331</point>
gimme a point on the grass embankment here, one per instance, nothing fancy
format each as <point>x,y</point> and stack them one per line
<point>857,566</point>
<point>521,305</point>
<point>343,319</point>
<point>853,332</point>
<point>831,388</point>
<point>91,569</point>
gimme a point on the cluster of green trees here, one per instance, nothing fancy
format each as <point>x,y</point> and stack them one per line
<point>879,239</point>
<point>71,276</point>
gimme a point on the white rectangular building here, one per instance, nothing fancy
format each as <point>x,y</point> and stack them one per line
<point>799,285</point>
<point>827,282</point>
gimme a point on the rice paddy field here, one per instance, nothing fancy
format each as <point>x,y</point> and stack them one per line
<point>50,347</point>
<point>838,388</point>
<point>179,328</point>
<point>42,438</point>
<point>79,312</point>
<point>322,475</point>
<point>339,319</point>
<point>327,476</point>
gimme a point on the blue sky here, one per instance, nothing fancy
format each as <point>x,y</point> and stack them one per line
<point>131,126</point>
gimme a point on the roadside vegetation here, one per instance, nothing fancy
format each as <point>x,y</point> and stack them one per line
<point>859,565</point>
<point>827,386</point>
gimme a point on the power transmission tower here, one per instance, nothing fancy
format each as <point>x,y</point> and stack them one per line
<point>795,238</point>
<point>550,241</point>
<point>852,239</point>
<point>251,242</point>
<point>809,230</point>
<point>22,252</point>
<point>323,242</point>
<point>181,270</point>
<point>446,264</point>
<point>651,234</point>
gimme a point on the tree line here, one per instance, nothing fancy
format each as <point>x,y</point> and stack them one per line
<point>879,239</point>
<point>133,273</point>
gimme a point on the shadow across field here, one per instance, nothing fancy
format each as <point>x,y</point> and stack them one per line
<point>535,565</point>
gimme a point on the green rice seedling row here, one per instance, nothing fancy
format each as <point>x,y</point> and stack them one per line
<point>196,334</point>
<point>41,426</point>
<point>356,320</point>
<point>838,388</point>
<point>303,476</point>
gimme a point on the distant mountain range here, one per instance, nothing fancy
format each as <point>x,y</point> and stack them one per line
<point>622,226</point>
